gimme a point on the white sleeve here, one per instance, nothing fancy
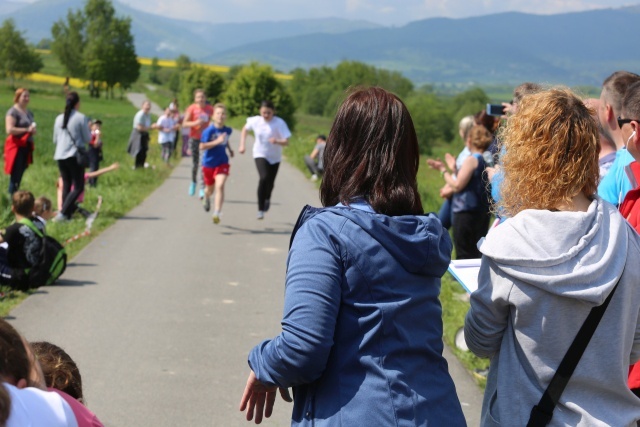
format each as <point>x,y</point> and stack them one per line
<point>284,129</point>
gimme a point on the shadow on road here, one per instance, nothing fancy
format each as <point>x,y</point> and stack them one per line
<point>154,218</point>
<point>74,283</point>
<point>237,230</point>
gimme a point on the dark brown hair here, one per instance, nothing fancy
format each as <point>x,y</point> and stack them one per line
<point>59,369</point>
<point>23,202</point>
<point>372,152</point>
<point>14,360</point>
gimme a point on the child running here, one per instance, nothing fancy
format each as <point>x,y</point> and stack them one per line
<point>215,163</point>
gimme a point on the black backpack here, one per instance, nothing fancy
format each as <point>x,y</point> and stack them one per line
<point>53,259</point>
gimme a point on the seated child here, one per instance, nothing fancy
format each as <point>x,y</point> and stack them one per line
<point>314,161</point>
<point>24,244</point>
<point>43,209</point>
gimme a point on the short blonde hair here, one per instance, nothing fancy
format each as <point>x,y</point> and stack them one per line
<point>551,152</point>
<point>219,105</point>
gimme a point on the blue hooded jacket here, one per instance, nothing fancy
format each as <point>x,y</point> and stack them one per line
<point>361,339</point>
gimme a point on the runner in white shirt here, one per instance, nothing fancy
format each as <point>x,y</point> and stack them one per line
<point>271,134</point>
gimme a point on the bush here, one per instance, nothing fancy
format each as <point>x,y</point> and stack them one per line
<point>254,84</point>
<point>211,82</point>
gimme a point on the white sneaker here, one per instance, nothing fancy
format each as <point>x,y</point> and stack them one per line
<point>260,215</point>
<point>314,177</point>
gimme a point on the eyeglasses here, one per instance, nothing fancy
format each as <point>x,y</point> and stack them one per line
<point>622,122</point>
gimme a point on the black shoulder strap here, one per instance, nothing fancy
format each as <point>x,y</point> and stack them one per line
<point>542,413</point>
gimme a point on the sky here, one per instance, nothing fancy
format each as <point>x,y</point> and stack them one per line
<point>384,12</point>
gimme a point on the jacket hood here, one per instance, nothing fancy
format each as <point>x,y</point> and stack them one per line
<point>418,242</point>
<point>575,254</point>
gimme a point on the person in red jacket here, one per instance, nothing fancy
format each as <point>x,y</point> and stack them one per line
<point>18,147</point>
<point>629,124</point>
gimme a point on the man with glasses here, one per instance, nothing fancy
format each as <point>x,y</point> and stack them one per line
<point>615,185</point>
<point>629,123</point>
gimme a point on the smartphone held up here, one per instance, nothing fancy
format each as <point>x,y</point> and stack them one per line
<point>495,109</point>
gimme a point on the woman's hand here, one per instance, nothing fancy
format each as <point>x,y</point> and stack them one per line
<point>256,394</point>
<point>435,164</point>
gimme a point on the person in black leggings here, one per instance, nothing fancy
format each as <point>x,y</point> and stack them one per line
<point>70,133</point>
<point>271,134</point>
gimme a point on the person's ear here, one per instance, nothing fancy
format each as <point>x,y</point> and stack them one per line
<point>22,383</point>
<point>608,111</point>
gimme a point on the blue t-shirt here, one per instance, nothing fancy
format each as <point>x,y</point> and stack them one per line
<point>615,185</point>
<point>216,156</point>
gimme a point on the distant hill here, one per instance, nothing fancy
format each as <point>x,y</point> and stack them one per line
<point>164,37</point>
<point>571,48</point>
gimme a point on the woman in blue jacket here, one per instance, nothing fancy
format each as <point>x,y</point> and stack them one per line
<point>361,340</point>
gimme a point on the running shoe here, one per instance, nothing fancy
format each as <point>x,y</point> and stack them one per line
<point>206,202</point>
<point>216,217</point>
<point>192,189</point>
<point>267,205</point>
<point>201,193</point>
<point>260,215</point>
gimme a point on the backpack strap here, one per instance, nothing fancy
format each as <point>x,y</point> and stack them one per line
<point>32,226</point>
<point>542,413</point>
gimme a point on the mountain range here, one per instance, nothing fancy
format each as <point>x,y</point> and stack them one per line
<point>571,48</point>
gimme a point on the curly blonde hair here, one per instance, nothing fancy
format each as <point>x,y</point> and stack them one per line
<point>551,152</point>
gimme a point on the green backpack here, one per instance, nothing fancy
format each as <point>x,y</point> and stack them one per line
<point>53,259</point>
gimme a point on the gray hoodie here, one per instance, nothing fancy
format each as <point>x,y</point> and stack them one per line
<point>541,274</point>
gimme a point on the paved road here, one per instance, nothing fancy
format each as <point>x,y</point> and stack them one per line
<point>161,309</point>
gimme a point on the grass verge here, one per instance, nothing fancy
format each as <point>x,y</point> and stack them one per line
<point>121,190</point>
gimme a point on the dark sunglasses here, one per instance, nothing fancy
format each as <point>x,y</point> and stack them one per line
<point>622,122</point>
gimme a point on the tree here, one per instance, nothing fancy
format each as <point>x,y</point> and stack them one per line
<point>68,43</point>
<point>183,63</point>
<point>201,78</point>
<point>154,72</point>
<point>17,58</point>
<point>95,45</point>
<point>253,84</point>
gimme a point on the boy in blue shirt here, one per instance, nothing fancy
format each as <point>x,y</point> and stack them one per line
<point>214,143</point>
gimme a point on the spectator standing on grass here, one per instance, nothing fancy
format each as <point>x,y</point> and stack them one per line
<point>561,253</point>
<point>615,185</point>
<point>167,130</point>
<point>470,200</point>
<point>271,134</point>
<point>361,342</point>
<point>139,139</point>
<point>18,148</point>
<point>315,160</point>
<point>196,119</point>
<point>215,162</point>
<point>454,164</point>
<point>95,150</point>
<point>70,133</point>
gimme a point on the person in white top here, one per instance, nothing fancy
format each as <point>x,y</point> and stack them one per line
<point>167,128</point>
<point>24,400</point>
<point>271,134</point>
